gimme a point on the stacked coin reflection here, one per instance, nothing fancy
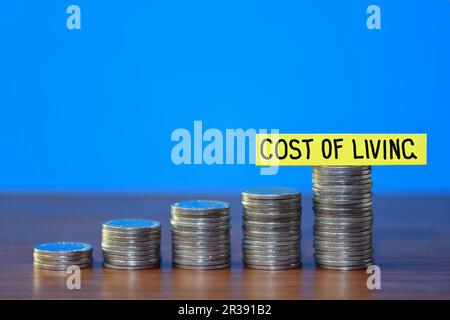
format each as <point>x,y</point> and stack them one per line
<point>131,244</point>
<point>60,255</point>
<point>201,234</point>
<point>271,226</point>
<point>343,217</point>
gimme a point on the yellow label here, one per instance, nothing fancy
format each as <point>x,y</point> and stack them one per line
<point>340,149</point>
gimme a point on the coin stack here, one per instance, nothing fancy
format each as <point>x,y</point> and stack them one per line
<point>343,217</point>
<point>61,255</point>
<point>201,234</point>
<point>272,228</point>
<point>131,244</point>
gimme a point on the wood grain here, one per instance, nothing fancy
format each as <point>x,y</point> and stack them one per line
<point>412,248</point>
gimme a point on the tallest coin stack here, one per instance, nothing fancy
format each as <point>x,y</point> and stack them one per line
<point>343,217</point>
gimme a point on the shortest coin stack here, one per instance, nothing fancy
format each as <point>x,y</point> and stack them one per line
<point>201,234</point>
<point>60,255</point>
<point>131,244</point>
<point>271,227</point>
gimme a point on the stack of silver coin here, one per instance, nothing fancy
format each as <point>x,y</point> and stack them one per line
<point>272,228</point>
<point>131,244</point>
<point>61,255</point>
<point>343,217</point>
<point>201,234</point>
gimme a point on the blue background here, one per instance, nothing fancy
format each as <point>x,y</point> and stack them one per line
<point>94,109</point>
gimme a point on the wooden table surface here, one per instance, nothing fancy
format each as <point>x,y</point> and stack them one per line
<point>411,241</point>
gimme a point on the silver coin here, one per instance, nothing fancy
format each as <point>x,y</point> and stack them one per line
<point>200,217</point>
<point>342,202</point>
<point>343,263</point>
<point>125,242</point>
<point>261,231</point>
<point>341,173</point>
<point>319,196</point>
<point>131,224</point>
<point>292,202</point>
<point>218,249</point>
<point>343,187</point>
<point>271,248</point>
<point>331,214</point>
<point>201,220</point>
<point>211,233</point>
<point>59,268</point>
<point>63,262</point>
<point>342,257</point>
<point>131,239</point>
<point>286,250</point>
<point>202,267</point>
<point>271,252</point>
<point>131,263</point>
<point>200,226</point>
<point>363,266</point>
<point>274,229</point>
<point>62,257</point>
<point>177,261</point>
<point>342,230</point>
<point>342,233</point>
<point>341,182</point>
<point>64,248</point>
<point>336,177</point>
<point>121,244</point>
<point>325,220</point>
<point>341,192</point>
<point>204,241</point>
<point>270,225</point>
<point>150,259</point>
<point>129,248</point>
<point>272,238</point>
<point>344,253</point>
<point>200,206</point>
<point>327,248</point>
<point>271,257</point>
<point>200,256</point>
<point>121,250</point>
<point>131,232</point>
<point>272,215</point>
<point>127,255</point>
<point>336,212</point>
<point>149,266</point>
<point>200,235</point>
<point>265,262</point>
<point>201,252</point>
<point>200,240</point>
<point>344,226</point>
<point>273,268</point>
<point>340,239</point>
<point>328,204</point>
<point>272,209</point>
<point>270,219</point>
<point>196,243</point>
<point>270,193</point>
<point>341,245</point>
